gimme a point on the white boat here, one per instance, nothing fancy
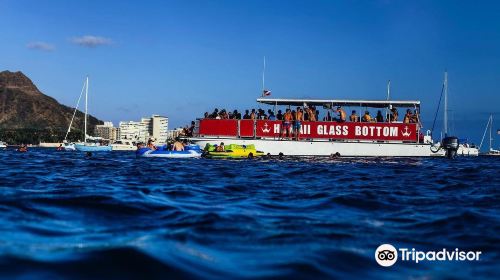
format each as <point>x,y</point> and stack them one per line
<point>491,151</point>
<point>324,138</point>
<point>89,146</point>
<point>123,145</point>
<point>3,145</point>
<point>465,149</point>
<point>48,145</point>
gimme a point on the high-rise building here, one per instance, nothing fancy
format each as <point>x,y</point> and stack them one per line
<point>106,131</point>
<point>159,128</point>
<point>154,127</point>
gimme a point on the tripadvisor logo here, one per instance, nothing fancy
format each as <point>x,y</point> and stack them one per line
<point>387,255</point>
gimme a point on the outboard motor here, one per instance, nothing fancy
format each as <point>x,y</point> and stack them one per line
<point>450,145</point>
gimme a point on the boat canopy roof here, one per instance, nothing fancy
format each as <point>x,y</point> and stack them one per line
<point>340,102</point>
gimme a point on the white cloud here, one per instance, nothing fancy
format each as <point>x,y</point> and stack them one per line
<point>41,46</point>
<point>90,41</point>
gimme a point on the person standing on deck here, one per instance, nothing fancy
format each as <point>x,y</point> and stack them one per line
<point>354,117</point>
<point>299,118</point>
<point>253,116</point>
<point>312,115</point>
<point>366,117</point>
<point>246,116</point>
<point>379,116</point>
<point>287,122</point>
<point>408,116</point>
<point>342,115</point>
<point>279,116</point>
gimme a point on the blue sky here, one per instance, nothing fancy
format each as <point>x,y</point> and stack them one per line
<point>182,58</point>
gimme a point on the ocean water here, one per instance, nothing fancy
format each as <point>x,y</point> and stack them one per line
<point>114,216</point>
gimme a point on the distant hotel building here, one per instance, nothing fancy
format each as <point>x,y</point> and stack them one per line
<point>154,127</point>
<point>107,131</point>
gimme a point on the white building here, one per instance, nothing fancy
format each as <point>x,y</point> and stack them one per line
<point>135,131</point>
<point>159,128</point>
<point>154,127</point>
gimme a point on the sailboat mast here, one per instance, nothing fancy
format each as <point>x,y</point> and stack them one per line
<point>445,104</point>
<point>74,113</point>
<point>484,133</point>
<point>491,126</point>
<point>86,107</point>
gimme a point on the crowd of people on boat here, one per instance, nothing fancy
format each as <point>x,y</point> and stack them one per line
<point>176,145</point>
<point>310,113</point>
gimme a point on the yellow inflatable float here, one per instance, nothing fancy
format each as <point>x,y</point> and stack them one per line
<point>232,151</point>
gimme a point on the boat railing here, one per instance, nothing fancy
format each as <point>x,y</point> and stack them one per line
<point>313,130</point>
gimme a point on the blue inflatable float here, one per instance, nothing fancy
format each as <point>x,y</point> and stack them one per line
<point>190,151</point>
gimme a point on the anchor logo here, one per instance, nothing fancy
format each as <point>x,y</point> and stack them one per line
<point>406,133</point>
<point>266,128</point>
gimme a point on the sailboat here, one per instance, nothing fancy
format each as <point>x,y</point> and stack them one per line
<point>90,146</point>
<point>491,151</point>
<point>68,146</point>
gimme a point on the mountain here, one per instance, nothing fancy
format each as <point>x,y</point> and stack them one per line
<point>23,106</point>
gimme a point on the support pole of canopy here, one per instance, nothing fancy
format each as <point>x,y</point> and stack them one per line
<point>388,97</point>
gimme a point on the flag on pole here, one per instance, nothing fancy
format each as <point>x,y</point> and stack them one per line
<point>266,92</point>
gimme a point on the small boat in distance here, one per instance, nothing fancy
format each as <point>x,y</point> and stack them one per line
<point>90,146</point>
<point>3,145</point>
<point>491,151</point>
<point>123,145</point>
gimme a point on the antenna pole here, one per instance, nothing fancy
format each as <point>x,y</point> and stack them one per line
<point>264,75</point>
<point>445,103</point>
<point>388,90</point>
<point>86,108</point>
